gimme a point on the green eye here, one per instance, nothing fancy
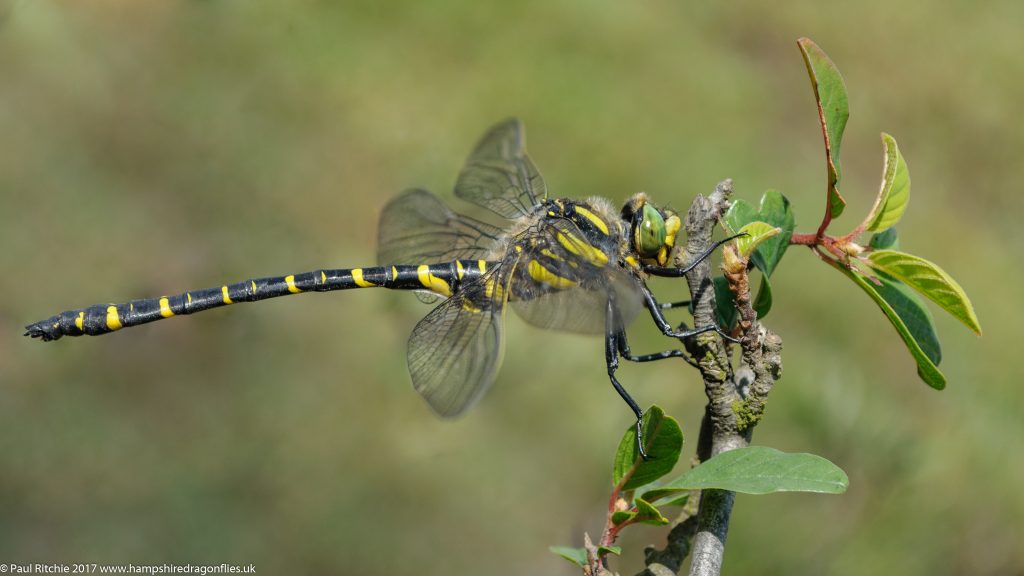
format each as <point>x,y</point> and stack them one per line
<point>649,234</point>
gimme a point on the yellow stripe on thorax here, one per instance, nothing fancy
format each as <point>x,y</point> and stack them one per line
<point>357,277</point>
<point>551,255</point>
<point>460,269</point>
<point>290,281</point>
<point>113,319</point>
<point>165,308</point>
<point>594,218</point>
<point>556,257</point>
<point>538,272</point>
<point>431,282</point>
<point>582,248</point>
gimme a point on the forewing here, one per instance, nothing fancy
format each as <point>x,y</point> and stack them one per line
<point>500,176</point>
<point>454,353</point>
<point>416,227</point>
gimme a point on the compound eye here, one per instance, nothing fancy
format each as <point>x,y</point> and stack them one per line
<point>649,234</point>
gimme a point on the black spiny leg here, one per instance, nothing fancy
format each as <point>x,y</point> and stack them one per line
<point>666,328</point>
<point>625,352</point>
<point>611,356</point>
<point>656,308</point>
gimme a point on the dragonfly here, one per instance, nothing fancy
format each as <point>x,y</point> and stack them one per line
<point>573,265</point>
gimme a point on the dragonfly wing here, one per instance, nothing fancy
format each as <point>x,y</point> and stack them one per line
<point>416,227</point>
<point>581,309</point>
<point>454,353</point>
<point>500,176</point>
<point>580,278</point>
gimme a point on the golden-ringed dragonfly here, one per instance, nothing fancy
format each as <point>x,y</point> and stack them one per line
<point>575,265</point>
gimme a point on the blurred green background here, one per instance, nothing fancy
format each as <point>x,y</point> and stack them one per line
<point>151,147</point>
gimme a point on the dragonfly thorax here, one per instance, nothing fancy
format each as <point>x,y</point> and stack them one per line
<point>595,218</point>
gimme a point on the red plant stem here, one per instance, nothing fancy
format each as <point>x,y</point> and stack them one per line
<point>610,530</point>
<point>817,243</point>
<point>831,244</point>
<point>827,219</point>
<point>804,239</point>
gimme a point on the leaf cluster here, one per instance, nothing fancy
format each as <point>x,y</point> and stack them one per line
<point>640,495</point>
<point>896,281</point>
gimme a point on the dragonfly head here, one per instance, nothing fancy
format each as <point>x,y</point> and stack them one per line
<point>654,230</point>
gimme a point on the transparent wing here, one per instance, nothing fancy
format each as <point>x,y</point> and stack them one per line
<point>500,176</point>
<point>454,352</point>
<point>416,227</point>
<point>562,249</point>
<point>582,309</point>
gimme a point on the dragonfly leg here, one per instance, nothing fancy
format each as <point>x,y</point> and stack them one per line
<point>659,319</point>
<point>670,305</point>
<point>611,355</point>
<point>624,352</point>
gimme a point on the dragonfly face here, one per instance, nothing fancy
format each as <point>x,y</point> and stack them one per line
<point>653,230</point>
<point>576,265</point>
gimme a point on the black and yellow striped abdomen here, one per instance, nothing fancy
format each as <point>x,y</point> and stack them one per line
<point>444,279</point>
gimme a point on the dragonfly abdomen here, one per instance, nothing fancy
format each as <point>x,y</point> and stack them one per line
<point>444,279</point>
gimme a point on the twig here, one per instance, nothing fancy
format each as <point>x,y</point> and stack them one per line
<point>722,393</point>
<point>733,408</point>
<point>708,348</point>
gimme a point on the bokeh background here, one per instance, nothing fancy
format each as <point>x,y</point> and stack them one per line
<point>151,147</point>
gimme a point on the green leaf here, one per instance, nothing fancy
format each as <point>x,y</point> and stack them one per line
<point>646,513</point>
<point>913,312</point>
<point>926,368</point>
<point>887,238</point>
<point>761,470</point>
<point>663,440</point>
<point>680,500</point>
<point>930,280</point>
<point>740,213</point>
<point>763,301</point>
<point>894,194</point>
<point>577,556</point>
<point>833,111</point>
<point>774,210</point>
<point>605,550</point>
<point>643,512</point>
<point>725,303</point>
<point>757,232</point>
<point>620,516</point>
